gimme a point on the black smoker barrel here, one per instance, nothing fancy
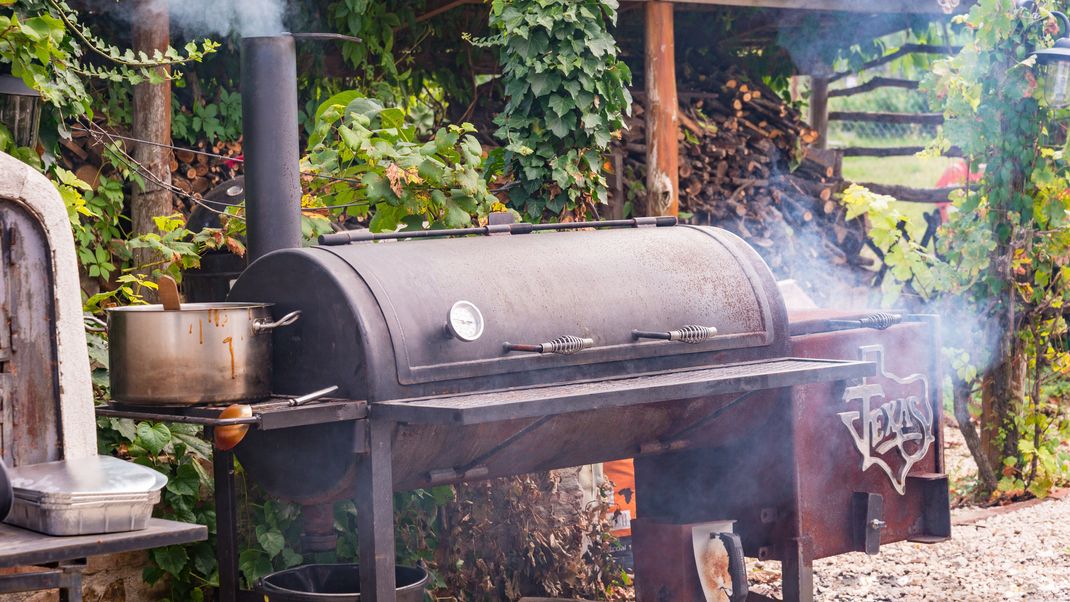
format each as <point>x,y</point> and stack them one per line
<point>272,172</point>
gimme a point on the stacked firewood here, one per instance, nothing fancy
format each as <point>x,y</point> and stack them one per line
<point>745,165</point>
<point>193,174</point>
<point>196,174</point>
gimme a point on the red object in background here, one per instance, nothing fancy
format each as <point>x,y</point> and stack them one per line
<point>622,474</point>
<point>234,162</point>
<point>956,175</point>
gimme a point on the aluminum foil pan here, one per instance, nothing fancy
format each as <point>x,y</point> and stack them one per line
<point>98,494</point>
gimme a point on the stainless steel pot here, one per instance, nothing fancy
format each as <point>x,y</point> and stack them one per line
<point>203,353</point>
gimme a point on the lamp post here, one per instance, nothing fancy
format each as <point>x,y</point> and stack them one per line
<point>20,110</point>
<point>1054,62</point>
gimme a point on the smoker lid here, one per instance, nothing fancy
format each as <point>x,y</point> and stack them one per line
<point>534,288</point>
<point>89,477</point>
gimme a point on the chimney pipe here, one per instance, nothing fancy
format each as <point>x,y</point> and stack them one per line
<point>271,144</point>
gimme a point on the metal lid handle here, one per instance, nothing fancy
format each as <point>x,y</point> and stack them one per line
<point>566,345</point>
<point>690,334</point>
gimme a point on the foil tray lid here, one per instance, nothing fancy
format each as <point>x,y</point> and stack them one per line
<point>93,476</point>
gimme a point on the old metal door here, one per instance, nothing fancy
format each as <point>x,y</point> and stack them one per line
<point>29,399</point>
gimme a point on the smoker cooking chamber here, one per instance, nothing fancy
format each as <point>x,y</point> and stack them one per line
<point>374,317</point>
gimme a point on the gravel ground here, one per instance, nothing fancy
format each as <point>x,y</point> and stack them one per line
<point>1018,552</point>
<point>1023,554</point>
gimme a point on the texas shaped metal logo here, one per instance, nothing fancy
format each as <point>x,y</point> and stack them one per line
<point>903,424</point>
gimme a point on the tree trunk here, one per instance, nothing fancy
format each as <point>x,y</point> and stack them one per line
<point>1001,389</point>
<point>819,108</point>
<point>151,117</point>
<point>962,392</point>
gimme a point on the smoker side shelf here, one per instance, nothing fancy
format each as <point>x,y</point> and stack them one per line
<point>270,414</point>
<point>21,547</point>
<point>535,402</point>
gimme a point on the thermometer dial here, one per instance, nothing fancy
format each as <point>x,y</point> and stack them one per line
<point>465,322</point>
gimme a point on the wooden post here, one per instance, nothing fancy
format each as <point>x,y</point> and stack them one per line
<point>662,121</point>
<point>151,121</point>
<point>819,108</point>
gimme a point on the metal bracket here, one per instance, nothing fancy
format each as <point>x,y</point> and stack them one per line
<point>477,467</point>
<point>65,576</point>
<point>446,475</point>
<point>868,513</point>
<point>679,439</point>
<point>362,443</point>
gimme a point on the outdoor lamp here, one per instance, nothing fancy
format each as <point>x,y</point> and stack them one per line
<point>1054,63</point>
<point>20,110</point>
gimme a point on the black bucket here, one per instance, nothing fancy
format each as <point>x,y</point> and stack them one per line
<point>335,583</point>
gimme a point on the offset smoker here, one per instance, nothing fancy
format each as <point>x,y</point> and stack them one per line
<point>496,355</point>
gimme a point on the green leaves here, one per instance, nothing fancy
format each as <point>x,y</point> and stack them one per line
<point>45,44</point>
<point>171,559</point>
<point>378,170</point>
<point>270,539</point>
<point>567,94</point>
<point>253,565</point>
<point>153,437</point>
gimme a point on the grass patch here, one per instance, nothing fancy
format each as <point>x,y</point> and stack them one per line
<point>915,172</point>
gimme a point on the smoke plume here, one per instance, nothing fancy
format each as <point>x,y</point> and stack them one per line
<point>225,17</point>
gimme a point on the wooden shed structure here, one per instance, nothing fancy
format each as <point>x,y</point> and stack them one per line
<point>662,129</point>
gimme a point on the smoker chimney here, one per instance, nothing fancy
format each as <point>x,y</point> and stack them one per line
<point>272,173</point>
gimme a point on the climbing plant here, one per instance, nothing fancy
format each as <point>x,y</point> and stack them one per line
<point>1001,269</point>
<point>375,167</point>
<point>44,43</point>
<point>567,95</point>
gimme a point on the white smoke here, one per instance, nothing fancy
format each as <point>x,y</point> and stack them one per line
<point>224,17</point>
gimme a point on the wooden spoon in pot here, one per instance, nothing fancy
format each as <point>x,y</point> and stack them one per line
<point>168,291</point>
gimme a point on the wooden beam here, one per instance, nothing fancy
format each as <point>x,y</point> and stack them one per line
<point>875,83</point>
<point>922,7</point>
<point>431,14</point>
<point>819,108</point>
<point>662,118</point>
<point>912,195</point>
<point>882,117</point>
<point>903,50</point>
<point>893,151</point>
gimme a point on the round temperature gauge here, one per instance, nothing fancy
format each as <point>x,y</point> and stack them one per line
<point>465,322</point>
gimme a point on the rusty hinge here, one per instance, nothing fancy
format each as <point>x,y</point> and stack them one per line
<point>6,348</point>
<point>868,521</point>
<point>10,240</point>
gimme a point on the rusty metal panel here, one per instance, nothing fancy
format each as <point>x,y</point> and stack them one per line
<point>29,380</point>
<point>868,438</point>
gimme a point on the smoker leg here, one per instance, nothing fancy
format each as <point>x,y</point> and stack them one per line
<point>226,546</point>
<point>375,515</point>
<point>798,570</point>
<point>71,581</point>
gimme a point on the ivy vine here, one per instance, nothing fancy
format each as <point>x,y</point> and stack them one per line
<point>567,97</point>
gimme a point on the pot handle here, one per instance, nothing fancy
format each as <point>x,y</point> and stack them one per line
<point>262,326</point>
<point>94,324</point>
